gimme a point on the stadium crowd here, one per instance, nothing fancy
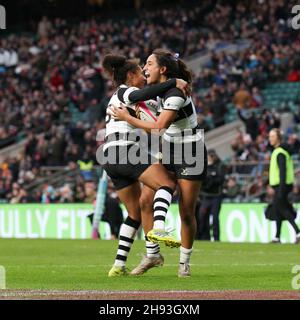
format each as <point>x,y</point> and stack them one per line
<point>50,75</point>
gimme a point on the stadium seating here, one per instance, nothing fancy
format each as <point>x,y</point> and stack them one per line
<point>57,99</point>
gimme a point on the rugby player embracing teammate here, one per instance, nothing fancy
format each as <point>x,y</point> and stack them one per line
<point>179,120</point>
<point>120,142</point>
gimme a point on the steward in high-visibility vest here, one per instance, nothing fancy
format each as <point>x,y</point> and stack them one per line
<point>85,166</point>
<point>274,173</point>
<point>281,179</point>
<point>86,169</point>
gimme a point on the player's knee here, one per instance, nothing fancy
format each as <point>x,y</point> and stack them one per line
<point>134,211</point>
<point>170,184</point>
<point>146,203</point>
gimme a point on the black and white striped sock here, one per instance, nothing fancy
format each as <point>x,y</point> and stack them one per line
<point>161,203</point>
<point>152,249</point>
<point>127,234</point>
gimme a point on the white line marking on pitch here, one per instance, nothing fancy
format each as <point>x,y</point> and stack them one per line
<point>25,293</point>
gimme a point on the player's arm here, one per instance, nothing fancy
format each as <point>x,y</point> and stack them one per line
<point>281,162</point>
<point>174,100</point>
<point>164,120</point>
<point>134,95</point>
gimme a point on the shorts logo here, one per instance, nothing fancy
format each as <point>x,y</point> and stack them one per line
<point>184,172</point>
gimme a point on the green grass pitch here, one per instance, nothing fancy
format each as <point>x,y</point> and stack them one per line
<point>84,264</point>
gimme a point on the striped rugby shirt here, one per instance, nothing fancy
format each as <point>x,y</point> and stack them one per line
<point>184,128</point>
<point>119,133</point>
<point>116,127</point>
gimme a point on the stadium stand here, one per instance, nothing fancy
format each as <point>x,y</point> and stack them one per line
<point>53,93</point>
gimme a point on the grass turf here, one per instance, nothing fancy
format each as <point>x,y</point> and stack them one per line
<point>84,264</point>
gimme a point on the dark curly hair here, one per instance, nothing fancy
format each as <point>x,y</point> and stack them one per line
<point>117,66</point>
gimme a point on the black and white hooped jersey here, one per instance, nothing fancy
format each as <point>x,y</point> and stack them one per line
<point>184,127</point>
<point>117,132</point>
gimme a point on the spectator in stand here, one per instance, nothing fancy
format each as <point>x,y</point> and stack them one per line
<point>269,121</point>
<point>86,167</point>
<point>62,66</point>
<point>56,80</point>
<point>257,187</point>
<point>294,144</point>
<point>232,189</point>
<point>269,195</point>
<point>2,191</point>
<point>242,98</point>
<point>257,99</point>
<point>218,109</point>
<point>44,28</point>
<point>65,194</point>
<point>79,194</point>
<point>48,195</point>
<point>294,196</point>
<point>73,153</point>
<point>251,123</point>
<point>293,76</point>
<point>202,123</point>
<point>90,192</point>
<point>20,196</point>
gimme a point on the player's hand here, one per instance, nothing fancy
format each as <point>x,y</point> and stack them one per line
<point>119,113</point>
<point>184,87</point>
<point>111,110</point>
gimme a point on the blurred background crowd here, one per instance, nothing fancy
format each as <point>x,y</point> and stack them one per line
<point>53,93</point>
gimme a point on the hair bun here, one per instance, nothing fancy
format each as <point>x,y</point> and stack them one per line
<point>111,62</point>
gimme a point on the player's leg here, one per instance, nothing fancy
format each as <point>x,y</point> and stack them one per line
<point>189,191</point>
<point>157,178</point>
<point>153,258</point>
<point>146,205</point>
<point>129,228</point>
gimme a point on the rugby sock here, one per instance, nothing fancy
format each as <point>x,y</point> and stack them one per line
<point>185,255</point>
<point>152,249</point>
<point>161,203</point>
<point>127,234</point>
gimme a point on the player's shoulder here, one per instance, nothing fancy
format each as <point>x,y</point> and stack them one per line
<point>174,92</point>
<point>123,92</point>
<point>114,98</point>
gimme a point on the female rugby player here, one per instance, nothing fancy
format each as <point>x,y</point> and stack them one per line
<point>179,120</point>
<point>120,143</point>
